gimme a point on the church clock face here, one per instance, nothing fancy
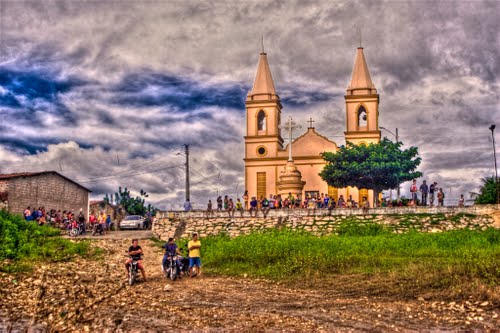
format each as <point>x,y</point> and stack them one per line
<point>261,151</point>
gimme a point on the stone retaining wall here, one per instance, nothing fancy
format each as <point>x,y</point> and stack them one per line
<point>321,221</point>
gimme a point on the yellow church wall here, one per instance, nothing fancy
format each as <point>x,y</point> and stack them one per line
<point>251,179</point>
<point>309,144</point>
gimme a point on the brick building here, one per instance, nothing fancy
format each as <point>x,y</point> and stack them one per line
<point>49,189</point>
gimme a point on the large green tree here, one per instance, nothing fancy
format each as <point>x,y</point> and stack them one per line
<point>376,166</point>
<point>488,192</point>
<point>134,206</point>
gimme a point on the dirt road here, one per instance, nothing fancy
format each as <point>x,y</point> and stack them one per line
<point>121,234</point>
<point>93,296</point>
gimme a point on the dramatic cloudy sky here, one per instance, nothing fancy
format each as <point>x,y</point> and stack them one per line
<point>108,92</point>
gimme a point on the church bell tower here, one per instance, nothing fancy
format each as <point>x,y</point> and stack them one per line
<point>361,101</point>
<point>263,138</point>
<point>263,106</point>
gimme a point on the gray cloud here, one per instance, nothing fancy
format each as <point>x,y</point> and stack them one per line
<point>435,65</point>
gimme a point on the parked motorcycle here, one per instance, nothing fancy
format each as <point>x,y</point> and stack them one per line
<point>184,265</point>
<point>97,228</point>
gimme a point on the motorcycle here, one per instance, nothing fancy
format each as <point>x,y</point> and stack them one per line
<point>133,271</point>
<point>97,228</point>
<point>171,270</point>
<point>184,265</point>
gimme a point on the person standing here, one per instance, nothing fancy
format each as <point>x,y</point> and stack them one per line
<point>440,196</point>
<point>432,191</point>
<point>219,203</point>
<point>82,222</point>
<point>194,246</point>
<point>413,191</point>
<point>424,189</point>
<point>210,211</point>
<point>461,201</point>
<point>187,206</point>
<point>230,207</point>
<point>245,199</point>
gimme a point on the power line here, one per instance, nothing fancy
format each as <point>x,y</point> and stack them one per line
<point>98,180</point>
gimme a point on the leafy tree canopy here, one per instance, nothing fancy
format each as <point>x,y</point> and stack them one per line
<point>376,166</point>
<point>488,194</point>
<point>134,206</point>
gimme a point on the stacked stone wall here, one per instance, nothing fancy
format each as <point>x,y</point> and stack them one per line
<point>321,222</point>
<point>48,190</point>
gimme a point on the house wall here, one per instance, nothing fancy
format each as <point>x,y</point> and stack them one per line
<point>48,190</point>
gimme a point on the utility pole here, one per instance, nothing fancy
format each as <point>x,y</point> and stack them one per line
<point>397,140</point>
<point>492,129</point>
<point>186,150</point>
<point>398,193</point>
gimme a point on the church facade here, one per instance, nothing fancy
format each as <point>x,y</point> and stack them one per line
<point>269,168</point>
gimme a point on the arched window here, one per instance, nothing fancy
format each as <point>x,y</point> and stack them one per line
<point>261,121</point>
<point>362,116</point>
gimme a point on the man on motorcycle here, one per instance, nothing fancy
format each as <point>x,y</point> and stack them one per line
<point>171,249</point>
<point>135,253</point>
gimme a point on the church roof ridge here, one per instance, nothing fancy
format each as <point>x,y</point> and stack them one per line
<point>311,129</point>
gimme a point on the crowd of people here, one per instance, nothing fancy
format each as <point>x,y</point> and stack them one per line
<point>429,195</point>
<point>265,204</point>
<point>68,220</point>
<point>432,192</point>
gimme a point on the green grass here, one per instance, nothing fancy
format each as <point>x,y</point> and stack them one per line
<point>24,243</point>
<point>367,248</point>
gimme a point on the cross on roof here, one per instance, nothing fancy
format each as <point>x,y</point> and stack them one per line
<point>290,125</point>
<point>310,121</point>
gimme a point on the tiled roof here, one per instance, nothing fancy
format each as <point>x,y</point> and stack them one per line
<point>32,174</point>
<point>20,174</point>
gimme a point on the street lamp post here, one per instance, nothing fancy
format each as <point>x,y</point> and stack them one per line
<point>492,129</point>
<point>398,193</point>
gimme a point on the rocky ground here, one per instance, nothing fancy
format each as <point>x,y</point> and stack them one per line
<point>92,295</point>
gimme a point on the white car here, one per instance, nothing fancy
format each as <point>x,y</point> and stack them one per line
<point>132,222</point>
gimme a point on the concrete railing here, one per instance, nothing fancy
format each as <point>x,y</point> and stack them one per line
<point>476,209</point>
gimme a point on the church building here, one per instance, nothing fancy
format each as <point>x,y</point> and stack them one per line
<point>272,168</point>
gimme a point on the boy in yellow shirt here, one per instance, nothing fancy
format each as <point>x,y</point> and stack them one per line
<point>194,246</point>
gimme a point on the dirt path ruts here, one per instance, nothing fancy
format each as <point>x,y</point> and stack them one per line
<point>91,296</point>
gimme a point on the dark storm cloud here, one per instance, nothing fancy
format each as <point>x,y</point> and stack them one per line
<point>150,89</point>
<point>23,146</point>
<point>294,98</point>
<point>32,146</point>
<point>31,91</point>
